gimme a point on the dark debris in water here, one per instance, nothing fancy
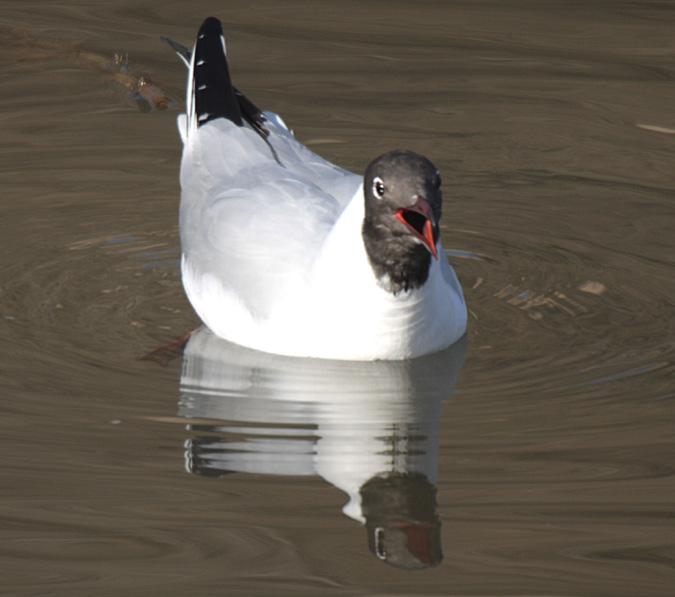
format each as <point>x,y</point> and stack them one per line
<point>165,353</point>
<point>136,87</point>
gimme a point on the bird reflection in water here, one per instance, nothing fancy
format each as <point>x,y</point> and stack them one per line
<point>368,428</point>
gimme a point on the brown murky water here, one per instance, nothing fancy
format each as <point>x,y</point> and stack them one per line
<point>537,459</point>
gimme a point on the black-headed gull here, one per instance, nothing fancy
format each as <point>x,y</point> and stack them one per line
<point>287,253</point>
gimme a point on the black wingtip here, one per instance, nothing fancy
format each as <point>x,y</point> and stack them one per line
<point>181,50</point>
<point>214,95</point>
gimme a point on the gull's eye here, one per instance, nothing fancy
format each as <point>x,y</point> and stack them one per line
<point>378,187</point>
<point>438,180</point>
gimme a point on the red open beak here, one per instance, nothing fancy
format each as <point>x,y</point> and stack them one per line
<point>418,219</point>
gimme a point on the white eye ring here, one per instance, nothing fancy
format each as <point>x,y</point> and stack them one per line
<point>378,187</point>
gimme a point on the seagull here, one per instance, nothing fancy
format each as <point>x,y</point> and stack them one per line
<point>287,253</point>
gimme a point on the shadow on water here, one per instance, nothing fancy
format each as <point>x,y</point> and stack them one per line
<point>368,428</point>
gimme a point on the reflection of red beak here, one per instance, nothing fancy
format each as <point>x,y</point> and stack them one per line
<point>418,219</point>
<point>421,542</point>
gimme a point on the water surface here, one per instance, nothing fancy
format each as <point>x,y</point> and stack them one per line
<point>535,459</point>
